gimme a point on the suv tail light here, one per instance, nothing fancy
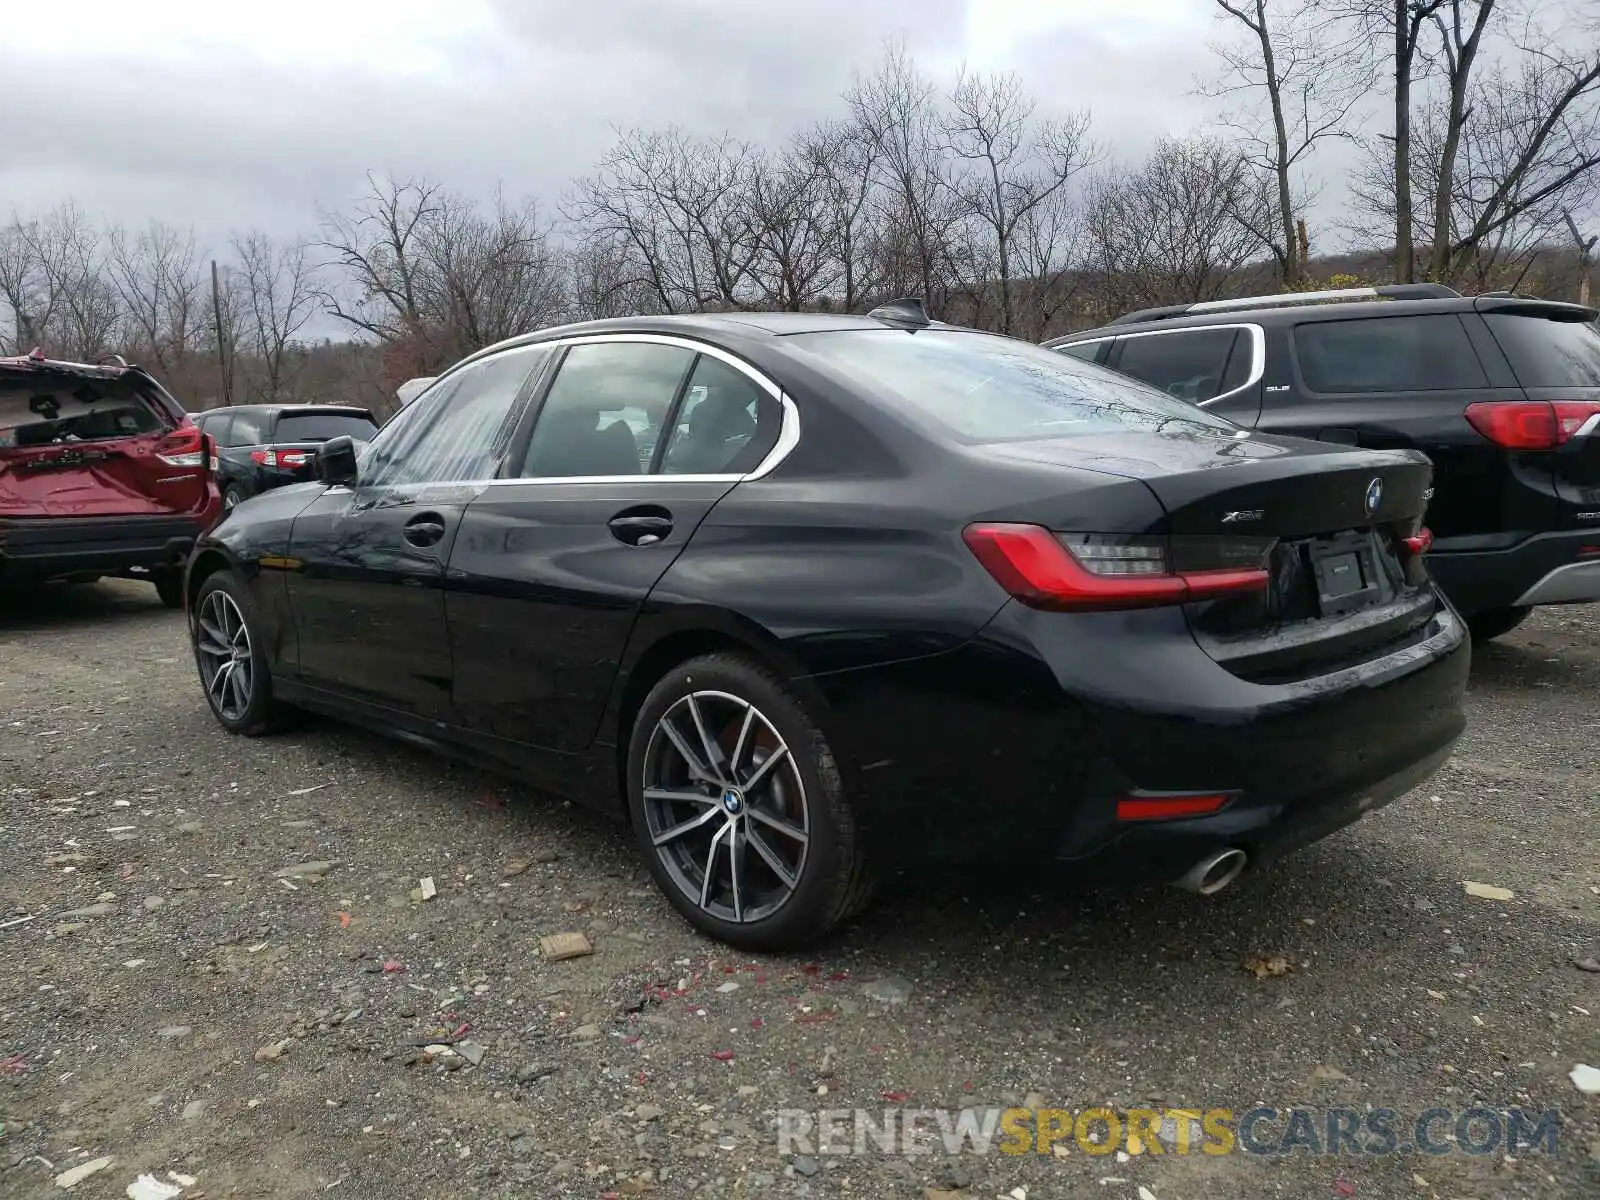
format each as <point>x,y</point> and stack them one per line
<point>1095,571</point>
<point>1534,424</point>
<point>183,447</point>
<point>272,456</point>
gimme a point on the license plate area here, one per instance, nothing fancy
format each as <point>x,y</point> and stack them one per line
<point>1346,572</point>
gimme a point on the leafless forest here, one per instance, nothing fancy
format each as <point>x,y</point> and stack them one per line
<point>1475,125</point>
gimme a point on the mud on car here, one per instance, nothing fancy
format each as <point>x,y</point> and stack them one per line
<point>101,473</point>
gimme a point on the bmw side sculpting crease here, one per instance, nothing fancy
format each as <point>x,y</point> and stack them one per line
<point>803,595</point>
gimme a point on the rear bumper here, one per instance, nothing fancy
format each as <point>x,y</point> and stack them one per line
<point>1548,568</point>
<point>42,549</point>
<point>1021,743</point>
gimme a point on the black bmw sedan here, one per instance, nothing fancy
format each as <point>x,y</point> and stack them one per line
<point>804,597</point>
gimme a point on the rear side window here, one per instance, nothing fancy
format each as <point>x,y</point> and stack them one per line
<point>1087,351</point>
<point>725,423</point>
<point>248,428</point>
<point>1546,352</point>
<point>319,427</point>
<point>1189,365</point>
<point>981,388</point>
<point>1427,353</point>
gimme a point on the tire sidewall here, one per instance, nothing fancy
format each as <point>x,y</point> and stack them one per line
<point>807,912</point>
<point>255,714</point>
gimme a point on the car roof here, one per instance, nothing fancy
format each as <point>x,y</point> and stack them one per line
<point>339,409</point>
<point>1288,313</point>
<point>709,326</point>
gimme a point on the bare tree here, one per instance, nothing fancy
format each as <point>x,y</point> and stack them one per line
<point>677,206</point>
<point>895,111</point>
<point>1400,25</point>
<point>84,308</point>
<point>1179,227</point>
<point>1310,82</point>
<point>435,275</point>
<point>24,287</point>
<point>379,250</point>
<point>156,274</point>
<point>275,295</point>
<point>1016,166</point>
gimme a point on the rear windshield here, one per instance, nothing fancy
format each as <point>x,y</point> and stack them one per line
<point>1546,352</point>
<point>46,411</point>
<point>319,427</point>
<point>981,388</point>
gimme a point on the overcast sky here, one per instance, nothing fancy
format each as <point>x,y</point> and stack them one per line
<point>250,114</point>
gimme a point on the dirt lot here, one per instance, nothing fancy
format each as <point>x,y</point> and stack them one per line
<point>195,993</point>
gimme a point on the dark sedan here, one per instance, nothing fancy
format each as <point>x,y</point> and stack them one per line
<point>802,597</point>
<point>263,446</point>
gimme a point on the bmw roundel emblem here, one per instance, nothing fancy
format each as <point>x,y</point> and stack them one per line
<point>1374,495</point>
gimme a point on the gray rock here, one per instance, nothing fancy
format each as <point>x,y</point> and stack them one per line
<point>189,828</point>
<point>586,1033</point>
<point>151,903</point>
<point>806,1165</point>
<point>887,990</point>
<point>470,1051</point>
<point>535,1071</point>
<point>304,870</point>
<point>94,910</point>
<point>648,1112</point>
<point>193,1110</point>
<point>174,1032</point>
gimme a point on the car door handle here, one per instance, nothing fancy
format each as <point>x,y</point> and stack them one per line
<point>641,527</point>
<point>423,530</point>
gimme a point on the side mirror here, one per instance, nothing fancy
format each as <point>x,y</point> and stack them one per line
<point>336,461</point>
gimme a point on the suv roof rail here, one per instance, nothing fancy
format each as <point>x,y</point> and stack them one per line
<point>1383,291</point>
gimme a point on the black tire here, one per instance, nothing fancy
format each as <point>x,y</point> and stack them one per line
<point>261,714</point>
<point>232,496</point>
<point>830,882</point>
<point>1493,622</point>
<point>169,586</point>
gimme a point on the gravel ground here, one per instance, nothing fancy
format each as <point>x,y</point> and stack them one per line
<point>181,1003</point>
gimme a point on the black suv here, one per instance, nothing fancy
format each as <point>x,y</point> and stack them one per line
<point>1502,392</point>
<point>262,446</point>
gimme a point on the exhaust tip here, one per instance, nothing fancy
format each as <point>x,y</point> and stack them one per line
<point>1214,872</point>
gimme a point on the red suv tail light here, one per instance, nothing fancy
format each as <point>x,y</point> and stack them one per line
<point>1533,424</point>
<point>1085,572</point>
<point>183,447</point>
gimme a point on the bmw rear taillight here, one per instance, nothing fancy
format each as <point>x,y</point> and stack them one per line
<point>183,447</point>
<point>1097,571</point>
<point>1534,424</point>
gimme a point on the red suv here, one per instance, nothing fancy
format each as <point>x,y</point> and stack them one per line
<point>101,473</point>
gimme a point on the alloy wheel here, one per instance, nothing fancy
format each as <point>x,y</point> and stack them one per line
<point>725,806</point>
<point>226,668</point>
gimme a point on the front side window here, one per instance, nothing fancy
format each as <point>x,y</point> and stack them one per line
<point>979,387</point>
<point>458,430</point>
<point>725,426</point>
<point>1188,364</point>
<point>603,414</point>
<point>1426,353</point>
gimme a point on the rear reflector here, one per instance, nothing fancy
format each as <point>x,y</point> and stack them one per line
<point>183,447</point>
<point>1166,808</point>
<point>1534,424</point>
<point>1087,572</point>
